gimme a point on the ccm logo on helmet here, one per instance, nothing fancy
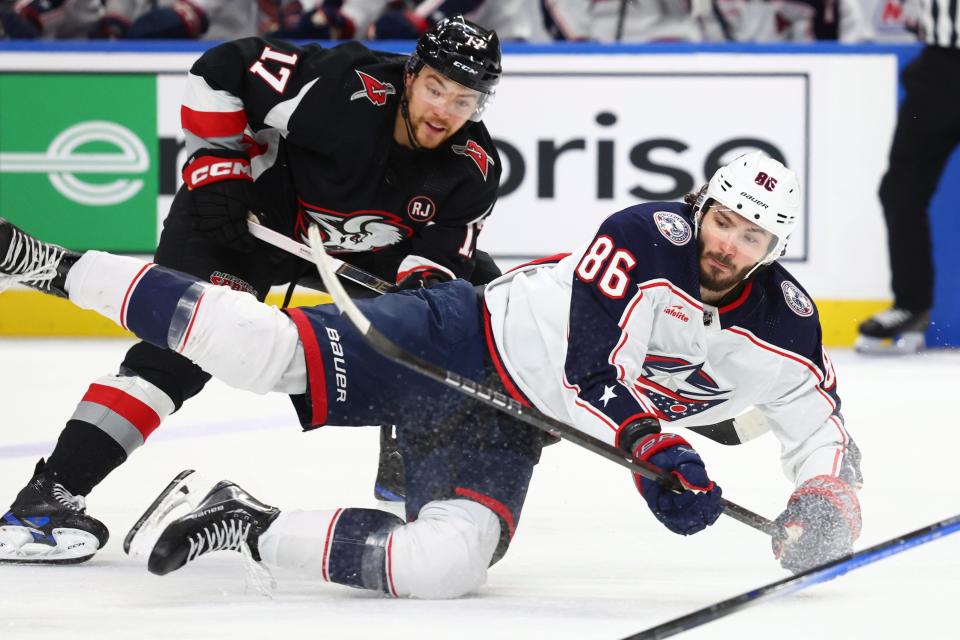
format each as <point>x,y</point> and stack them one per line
<point>466,68</point>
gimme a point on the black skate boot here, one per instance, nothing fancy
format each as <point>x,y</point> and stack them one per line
<point>46,524</point>
<point>32,262</point>
<point>225,518</point>
<point>894,331</point>
<point>390,485</point>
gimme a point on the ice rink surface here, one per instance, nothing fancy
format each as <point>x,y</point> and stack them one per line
<point>588,560</point>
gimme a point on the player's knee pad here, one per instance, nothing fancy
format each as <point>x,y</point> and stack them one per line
<point>445,553</point>
<point>236,338</point>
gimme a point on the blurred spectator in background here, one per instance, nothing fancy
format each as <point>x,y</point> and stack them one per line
<point>195,19</point>
<point>407,19</point>
<point>48,19</point>
<point>927,133</point>
<point>624,20</point>
<point>786,21</point>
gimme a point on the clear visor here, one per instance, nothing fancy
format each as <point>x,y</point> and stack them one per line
<point>739,234</point>
<point>451,97</point>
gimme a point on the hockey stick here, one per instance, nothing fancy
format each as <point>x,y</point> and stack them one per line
<point>816,575</point>
<point>344,270</point>
<point>743,428</point>
<point>385,347</point>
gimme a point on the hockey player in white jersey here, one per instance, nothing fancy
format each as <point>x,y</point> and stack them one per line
<point>672,315</point>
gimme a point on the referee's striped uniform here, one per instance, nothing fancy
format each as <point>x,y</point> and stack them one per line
<point>928,130</point>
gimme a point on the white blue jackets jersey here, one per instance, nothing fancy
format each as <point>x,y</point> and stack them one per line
<point>617,331</point>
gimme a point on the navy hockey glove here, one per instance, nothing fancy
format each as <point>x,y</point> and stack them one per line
<point>684,513</point>
<point>421,279</point>
<point>219,182</point>
<point>398,25</point>
<point>820,523</point>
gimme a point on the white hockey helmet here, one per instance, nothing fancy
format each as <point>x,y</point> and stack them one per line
<point>760,189</point>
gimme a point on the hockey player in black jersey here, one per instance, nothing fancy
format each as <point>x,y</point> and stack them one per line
<point>386,153</point>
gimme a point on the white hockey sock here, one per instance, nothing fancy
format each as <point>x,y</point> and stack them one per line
<point>101,282</point>
<point>296,540</point>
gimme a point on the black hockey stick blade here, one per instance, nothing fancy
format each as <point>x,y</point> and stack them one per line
<point>816,575</point>
<point>493,398</point>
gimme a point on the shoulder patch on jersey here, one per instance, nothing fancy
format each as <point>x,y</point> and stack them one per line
<point>373,90</point>
<point>673,226</point>
<point>476,153</point>
<point>796,299</point>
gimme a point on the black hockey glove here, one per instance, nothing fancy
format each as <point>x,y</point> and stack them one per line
<point>219,182</point>
<point>820,523</point>
<point>688,512</point>
<point>421,279</point>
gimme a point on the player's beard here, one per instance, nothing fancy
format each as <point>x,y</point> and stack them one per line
<point>717,280</point>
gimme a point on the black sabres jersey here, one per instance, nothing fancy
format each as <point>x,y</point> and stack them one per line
<point>318,126</point>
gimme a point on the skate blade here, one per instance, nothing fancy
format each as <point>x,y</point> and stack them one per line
<point>904,344</point>
<point>73,546</point>
<point>180,497</point>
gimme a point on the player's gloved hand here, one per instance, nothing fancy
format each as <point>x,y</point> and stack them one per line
<point>397,24</point>
<point>421,279</point>
<point>688,512</point>
<point>820,523</point>
<point>219,182</point>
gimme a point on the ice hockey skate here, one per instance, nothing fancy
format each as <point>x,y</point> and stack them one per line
<point>46,524</point>
<point>31,262</point>
<point>190,518</point>
<point>894,331</point>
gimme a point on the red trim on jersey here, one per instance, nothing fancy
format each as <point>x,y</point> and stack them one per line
<point>624,337</point>
<point>316,376</point>
<point>557,257</point>
<point>390,585</point>
<point>678,292</point>
<point>129,292</point>
<point>490,503</point>
<point>193,318</point>
<point>428,268</point>
<point>502,373</point>
<point>326,544</point>
<point>213,124</point>
<point>138,413</point>
<point>739,301</point>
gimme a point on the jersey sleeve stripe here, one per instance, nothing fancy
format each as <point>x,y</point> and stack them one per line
<point>213,124</point>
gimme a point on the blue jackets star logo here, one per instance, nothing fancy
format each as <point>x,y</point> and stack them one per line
<point>679,388</point>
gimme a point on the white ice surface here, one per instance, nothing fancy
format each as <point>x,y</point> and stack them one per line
<point>588,560</point>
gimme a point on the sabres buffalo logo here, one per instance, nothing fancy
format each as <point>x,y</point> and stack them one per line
<point>373,90</point>
<point>476,153</point>
<point>356,231</point>
<point>679,388</point>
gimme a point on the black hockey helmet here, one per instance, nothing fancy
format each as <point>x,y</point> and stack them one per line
<point>462,51</point>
